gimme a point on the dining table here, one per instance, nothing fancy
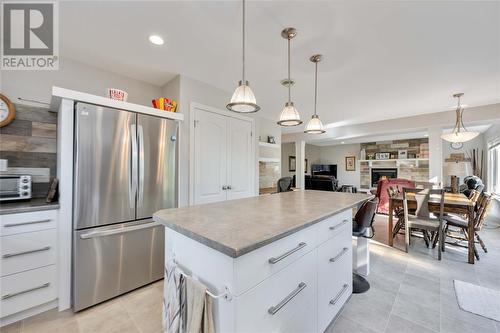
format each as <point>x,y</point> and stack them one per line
<point>454,203</point>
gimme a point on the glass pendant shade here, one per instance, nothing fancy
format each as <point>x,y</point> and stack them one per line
<point>314,126</point>
<point>243,100</point>
<point>459,136</point>
<point>459,133</point>
<point>289,116</point>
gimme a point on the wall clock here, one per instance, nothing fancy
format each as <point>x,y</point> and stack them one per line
<point>457,145</point>
<point>7,111</point>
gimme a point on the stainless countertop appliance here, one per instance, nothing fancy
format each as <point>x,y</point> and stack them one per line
<point>124,171</point>
<point>15,187</point>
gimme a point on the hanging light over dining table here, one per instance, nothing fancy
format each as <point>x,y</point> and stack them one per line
<point>243,99</point>
<point>460,132</point>
<point>289,115</point>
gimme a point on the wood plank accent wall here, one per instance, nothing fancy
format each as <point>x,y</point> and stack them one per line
<point>29,143</point>
<point>415,147</point>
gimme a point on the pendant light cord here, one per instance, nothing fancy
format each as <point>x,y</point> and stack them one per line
<point>243,28</point>
<point>315,86</point>
<point>289,80</point>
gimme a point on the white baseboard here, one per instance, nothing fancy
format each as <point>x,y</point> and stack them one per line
<point>28,313</point>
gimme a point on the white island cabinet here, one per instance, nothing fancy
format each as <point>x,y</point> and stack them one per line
<point>284,262</point>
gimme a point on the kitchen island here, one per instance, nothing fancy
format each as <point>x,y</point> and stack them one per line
<point>283,262</point>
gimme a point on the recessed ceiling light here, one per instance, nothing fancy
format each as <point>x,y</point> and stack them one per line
<point>342,142</point>
<point>155,39</point>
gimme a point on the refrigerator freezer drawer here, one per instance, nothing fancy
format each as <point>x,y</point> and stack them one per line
<point>110,261</point>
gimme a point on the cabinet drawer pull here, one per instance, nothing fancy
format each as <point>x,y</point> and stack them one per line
<point>274,309</point>
<point>9,225</point>
<point>8,255</point>
<point>274,260</point>
<point>337,257</point>
<point>334,227</point>
<point>45,285</point>
<point>336,299</point>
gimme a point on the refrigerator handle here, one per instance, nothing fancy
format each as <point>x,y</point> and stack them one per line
<point>141,165</point>
<point>133,167</point>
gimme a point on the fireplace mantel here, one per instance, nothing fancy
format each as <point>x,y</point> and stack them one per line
<point>416,169</point>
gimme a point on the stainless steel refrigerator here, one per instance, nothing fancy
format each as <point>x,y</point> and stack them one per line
<point>124,171</point>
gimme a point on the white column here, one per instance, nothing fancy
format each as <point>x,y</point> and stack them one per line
<point>300,155</point>
<point>435,155</point>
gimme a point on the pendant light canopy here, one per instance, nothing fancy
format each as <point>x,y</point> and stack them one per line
<point>459,133</point>
<point>315,126</point>
<point>289,115</point>
<point>243,99</point>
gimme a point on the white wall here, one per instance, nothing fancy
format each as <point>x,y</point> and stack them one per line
<point>476,143</point>
<point>187,90</point>
<point>37,85</point>
<point>336,155</point>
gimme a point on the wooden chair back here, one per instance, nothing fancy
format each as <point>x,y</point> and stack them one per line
<point>474,196</point>
<point>483,206</point>
<point>439,192</point>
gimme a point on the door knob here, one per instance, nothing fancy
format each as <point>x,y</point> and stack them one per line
<point>229,187</point>
<point>224,187</point>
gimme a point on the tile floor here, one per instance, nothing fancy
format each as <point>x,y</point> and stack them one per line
<point>409,293</point>
<point>414,292</point>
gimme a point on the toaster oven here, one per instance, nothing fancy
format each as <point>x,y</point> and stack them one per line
<point>15,187</point>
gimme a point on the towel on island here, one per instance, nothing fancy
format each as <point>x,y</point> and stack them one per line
<point>187,307</point>
<point>173,304</point>
<point>198,317</point>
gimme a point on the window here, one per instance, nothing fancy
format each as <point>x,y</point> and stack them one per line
<point>494,167</point>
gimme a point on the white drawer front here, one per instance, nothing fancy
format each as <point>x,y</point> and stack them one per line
<point>27,289</point>
<point>254,267</point>
<point>27,222</point>
<point>334,277</point>
<point>22,252</point>
<point>297,284</point>
<point>334,225</point>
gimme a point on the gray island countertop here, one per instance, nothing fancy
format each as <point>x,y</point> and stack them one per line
<point>237,227</point>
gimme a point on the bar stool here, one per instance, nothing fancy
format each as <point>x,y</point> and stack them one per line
<point>362,226</point>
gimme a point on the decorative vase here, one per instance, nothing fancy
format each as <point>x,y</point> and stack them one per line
<point>362,154</point>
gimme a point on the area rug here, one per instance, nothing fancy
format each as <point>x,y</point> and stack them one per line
<point>478,300</point>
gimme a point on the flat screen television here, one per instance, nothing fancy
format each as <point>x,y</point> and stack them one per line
<point>324,170</point>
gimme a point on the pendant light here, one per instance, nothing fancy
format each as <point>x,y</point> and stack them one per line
<point>289,116</point>
<point>243,99</point>
<point>459,133</point>
<point>315,126</point>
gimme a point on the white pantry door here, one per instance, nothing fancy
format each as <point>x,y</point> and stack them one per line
<point>210,157</point>
<point>239,159</point>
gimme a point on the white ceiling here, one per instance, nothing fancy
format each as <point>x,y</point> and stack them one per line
<point>381,59</point>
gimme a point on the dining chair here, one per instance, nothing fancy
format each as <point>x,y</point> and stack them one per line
<point>398,212</point>
<point>461,224</point>
<point>422,219</point>
<point>284,184</point>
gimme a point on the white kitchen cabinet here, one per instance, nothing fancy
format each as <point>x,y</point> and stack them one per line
<point>27,289</point>
<point>28,263</point>
<point>298,283</point>
<point>260,310</point>
<point>27,222</point>
<point>223,156</point>
<point>29,250</point>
